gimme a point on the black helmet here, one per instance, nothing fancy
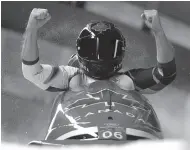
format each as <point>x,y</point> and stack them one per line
<point>100,49</point>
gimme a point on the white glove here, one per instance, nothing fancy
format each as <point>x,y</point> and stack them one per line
<point>38,17</point>
<point>152,20</point>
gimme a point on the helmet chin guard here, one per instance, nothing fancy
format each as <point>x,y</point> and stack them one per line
<point>100,49</point>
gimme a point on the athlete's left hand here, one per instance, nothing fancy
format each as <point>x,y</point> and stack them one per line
<point>152,20</point>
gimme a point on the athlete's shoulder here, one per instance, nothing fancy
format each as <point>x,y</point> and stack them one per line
<point>73,61</point>
<point>124,81</point>
<point>71,71</point>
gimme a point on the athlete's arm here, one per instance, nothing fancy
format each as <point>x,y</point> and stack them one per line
<point>153,79</point>
<point>44,76</point>
<point>165,51</point>
<point>156,78</point>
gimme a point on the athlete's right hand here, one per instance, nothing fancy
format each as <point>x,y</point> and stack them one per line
<point>38,17</point>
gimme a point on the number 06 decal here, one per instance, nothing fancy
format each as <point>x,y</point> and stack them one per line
<point>109,134</point>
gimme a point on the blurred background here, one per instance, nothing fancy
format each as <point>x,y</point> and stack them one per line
<point>25,109</point>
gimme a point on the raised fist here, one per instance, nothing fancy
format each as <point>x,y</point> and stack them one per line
<point>38,17</point>
<point>152,20</point>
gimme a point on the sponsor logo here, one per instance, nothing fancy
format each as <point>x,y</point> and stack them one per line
<point>100,27</point>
